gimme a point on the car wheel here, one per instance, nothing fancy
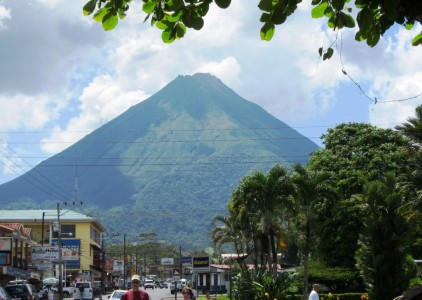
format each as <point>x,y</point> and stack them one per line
<point>66,294</point>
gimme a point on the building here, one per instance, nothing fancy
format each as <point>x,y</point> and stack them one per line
<point>27,230</point>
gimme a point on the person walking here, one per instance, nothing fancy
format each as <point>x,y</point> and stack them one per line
<point>135,293</point>
<point>187,293</point>
<point>314,294</point>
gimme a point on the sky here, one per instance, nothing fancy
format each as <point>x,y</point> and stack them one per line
<point>62,76</point>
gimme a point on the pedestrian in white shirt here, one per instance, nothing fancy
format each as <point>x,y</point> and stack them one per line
<point>314,294</point>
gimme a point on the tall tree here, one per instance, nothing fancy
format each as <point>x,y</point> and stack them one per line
<point>381,257</point>
<point>411,179</point>
<point>265,200</point>
<point>354,154</point>
<point>310,188</point>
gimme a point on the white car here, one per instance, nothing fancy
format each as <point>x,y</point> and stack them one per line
<point>117,294</point>
<point>149,284</point>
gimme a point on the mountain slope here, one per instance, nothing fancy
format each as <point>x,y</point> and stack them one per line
<point>168,164</point>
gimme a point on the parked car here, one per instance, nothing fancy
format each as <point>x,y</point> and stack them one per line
<point>149,284</point>
<point>86,288</point>
<point>4,295</point>
<point>15,282</point>
<point>23,291</point>
<point>68,289</point>
<point>117,294</point>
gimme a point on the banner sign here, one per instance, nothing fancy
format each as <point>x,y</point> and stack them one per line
<point>109,265</point>
<point>71,249</point>
<point>45,253</point>
<point>167,261</point>
<point>201,263</point>
<point>5,259</point>
<point>5,251</point>
<point>118,265</point>
<point>5,244</point>
<point>186,259</point>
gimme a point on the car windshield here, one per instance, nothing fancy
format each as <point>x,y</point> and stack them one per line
<point>16,289</point>
<point>117,295</point>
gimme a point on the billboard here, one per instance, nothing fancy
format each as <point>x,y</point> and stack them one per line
<point>5,244</point>
<point>71,249</point>
<point>167,261</point>
<point>201,263</point>
<point>5,251</point>
<point>45,253</point>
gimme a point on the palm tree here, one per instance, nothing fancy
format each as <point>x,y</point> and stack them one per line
<point>262,201</point>
<point>413,128</point>
<point>310,188</point>
<point>411,179</point>
<point>381,257</point>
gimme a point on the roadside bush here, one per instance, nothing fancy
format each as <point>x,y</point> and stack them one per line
<point>259,284</point>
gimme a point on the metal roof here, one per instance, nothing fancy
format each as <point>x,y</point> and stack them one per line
<point>36,215</point>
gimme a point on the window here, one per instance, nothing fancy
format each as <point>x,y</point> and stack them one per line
<point>68,232</point>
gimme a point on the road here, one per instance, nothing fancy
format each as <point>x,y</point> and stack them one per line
<point>155,294</point>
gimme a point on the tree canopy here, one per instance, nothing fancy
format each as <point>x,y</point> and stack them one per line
<point>372,17</point>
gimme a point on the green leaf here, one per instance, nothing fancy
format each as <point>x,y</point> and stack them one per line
<point>167,37</point>
<point>99,15</point>
<point>319,11</point>
<point>346,20</point>
<point>361,3</point>
<point>176,5</point>
<point>266,5</point>
<point>417,40</point>
<point>359,37</point>
<point>279,15</point>
<point>409,25</point>
<point>390,8</point>
<point>328,54</point>
<point>197,23</point>
<point>222,3</point>
<point>89,7</point>
<point>148,7</point>
<point>163,25</point>
<point>110,21</point>
<point>365,20</point>
<point>175,16</point>
<point>320,51</point>
<point>265,17</point>
<point>373,38</point>
<point>338,5</point>
<point>180,30</point>
<point>267,31</point>
<point>332,22</point>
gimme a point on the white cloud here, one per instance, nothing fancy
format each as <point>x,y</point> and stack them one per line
<point>102,100</point>
<point>26,112</point>
<point>228,70</point>
<point>4,15</point>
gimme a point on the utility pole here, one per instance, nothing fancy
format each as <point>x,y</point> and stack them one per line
<point>59,243</point>
<point>124,261</point>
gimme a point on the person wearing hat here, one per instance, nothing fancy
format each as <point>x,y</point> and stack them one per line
<point>135,293</point>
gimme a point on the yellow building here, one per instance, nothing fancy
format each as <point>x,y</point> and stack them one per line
<point>80,243</point>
